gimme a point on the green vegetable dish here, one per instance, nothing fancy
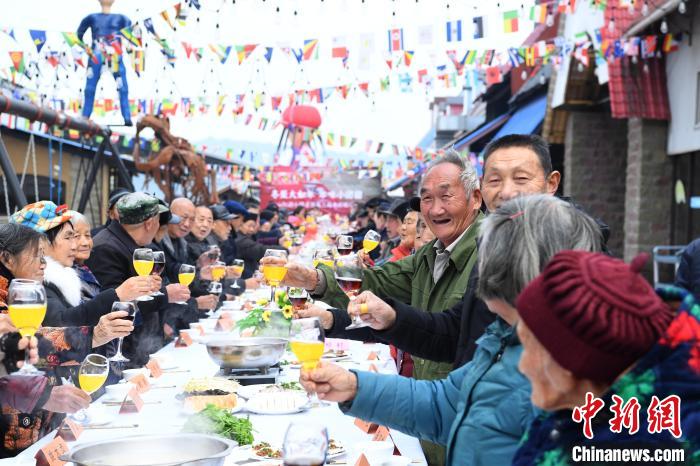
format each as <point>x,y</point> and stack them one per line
<point>213,420</point>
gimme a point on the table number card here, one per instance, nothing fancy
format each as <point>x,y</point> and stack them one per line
<point>50,454</point>
<point>184,340</point>
<point>381,434</point>
<point>155,369</point>
<point>133,403</point>
<point>362,460</point>
<point>142,385</point>
<point>69,430</point>
<point>372,356</point>
<point>366,427</point>
<point>224,323</point>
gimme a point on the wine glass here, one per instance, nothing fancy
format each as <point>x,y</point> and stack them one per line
<point>26,304</point>
<point>143,264</point>
<point>238,267</point>
<point>92,375</point>
<point>348,274</point>
<point>131,308</point>
<point>371,241</point>
<point>344,245</point>
<point>218,271</point>
<point>158,267</point>
<point>323,256</point>
<point>306,340</point>
<point>298,297</point>
<point>185,276</point>
<point>305,444</point>
<point>274,274</point>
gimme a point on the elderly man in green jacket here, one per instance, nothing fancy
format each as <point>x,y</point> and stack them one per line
<point>437,275</point>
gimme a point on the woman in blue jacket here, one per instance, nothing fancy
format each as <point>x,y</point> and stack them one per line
<point>482,409</point>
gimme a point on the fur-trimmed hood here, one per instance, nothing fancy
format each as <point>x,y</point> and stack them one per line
<point>65,279</point>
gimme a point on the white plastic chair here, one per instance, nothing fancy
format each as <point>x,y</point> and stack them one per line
<point>668,255</point>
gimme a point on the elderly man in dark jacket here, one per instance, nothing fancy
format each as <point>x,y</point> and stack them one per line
<point>112,263</point>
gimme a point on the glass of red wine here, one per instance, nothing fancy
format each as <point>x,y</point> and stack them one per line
<point>158,267</point>
<point>305,444</point>
<point>298,297</point>
<point>344,245</point>
<point>131,308</point>
<point>348,274</point>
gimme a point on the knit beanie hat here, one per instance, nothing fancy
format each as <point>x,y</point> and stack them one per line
<point>595,314</point>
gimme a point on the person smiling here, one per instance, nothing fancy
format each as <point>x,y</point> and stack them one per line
<point>65,303</point>
<point>434,278</point>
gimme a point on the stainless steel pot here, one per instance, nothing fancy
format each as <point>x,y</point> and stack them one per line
<point>154,450</point>
<point>246,353</point>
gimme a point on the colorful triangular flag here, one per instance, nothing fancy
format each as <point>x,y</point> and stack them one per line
<point>38,38</point>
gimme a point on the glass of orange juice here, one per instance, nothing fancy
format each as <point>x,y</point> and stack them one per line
<point>92,375</point>
<point>307,342</point>
<point>274,274</point>
<point>26,304</point>
<point>238,267</point>
<point>143,265</point>
<point>185,276</point>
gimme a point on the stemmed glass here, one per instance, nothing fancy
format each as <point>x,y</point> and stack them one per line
<point>158,267</point>
<point>92,375</point>
<point>298,297</point>
<point>323,256</point>
<point>143,264</point>
<point>371,241</point>
<point>344,245</point>
<point>348,274</point>
<point>215,288</point>
<point>131,309</point>
<point>218,271</point>
<point>274,274</point>
<point>306,340</point>
<point>305,443</point>
<point>26,304</point>
<point>185,276</point>
<point>238,267</point>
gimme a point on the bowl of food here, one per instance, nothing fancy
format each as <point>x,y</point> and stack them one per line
<point>245,353</point>
<point>154,450</point>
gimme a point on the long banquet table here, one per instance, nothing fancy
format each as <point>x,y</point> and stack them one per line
<point>168,416</point>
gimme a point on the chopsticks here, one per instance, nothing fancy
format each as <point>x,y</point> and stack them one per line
<point>128,426</point>
<point>153,387</point>
<point>175,371</point>
<point>118,403</point>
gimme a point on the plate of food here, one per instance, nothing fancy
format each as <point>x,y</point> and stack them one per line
<point>335,355</point>
<point>249,391</point>
<point>284,402</point>
<point>266,451</point>
<point>217,391</point>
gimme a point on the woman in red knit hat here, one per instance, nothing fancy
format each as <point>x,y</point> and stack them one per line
<point>615,364</point>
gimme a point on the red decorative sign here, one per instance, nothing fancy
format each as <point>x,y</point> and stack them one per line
<point>317,187</point>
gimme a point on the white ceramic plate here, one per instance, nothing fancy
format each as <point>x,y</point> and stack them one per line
<point>277,403</point>
<point>331,454</point>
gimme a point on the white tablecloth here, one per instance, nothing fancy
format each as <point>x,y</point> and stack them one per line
<point>168,416</point>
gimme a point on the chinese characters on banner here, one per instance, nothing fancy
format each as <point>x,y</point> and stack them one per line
<point>661,415</point>
<point>336,193</point>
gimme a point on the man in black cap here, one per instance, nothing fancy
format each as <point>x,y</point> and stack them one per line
<point>111,261</point>
<point>112,213</point>
<point>220,233</point>
<point>394,214</point>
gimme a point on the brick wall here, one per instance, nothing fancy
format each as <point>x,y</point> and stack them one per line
<point>649,184</point>
<point>595,162</point>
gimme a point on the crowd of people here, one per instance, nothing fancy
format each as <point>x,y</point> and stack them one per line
<point>503,307</point>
